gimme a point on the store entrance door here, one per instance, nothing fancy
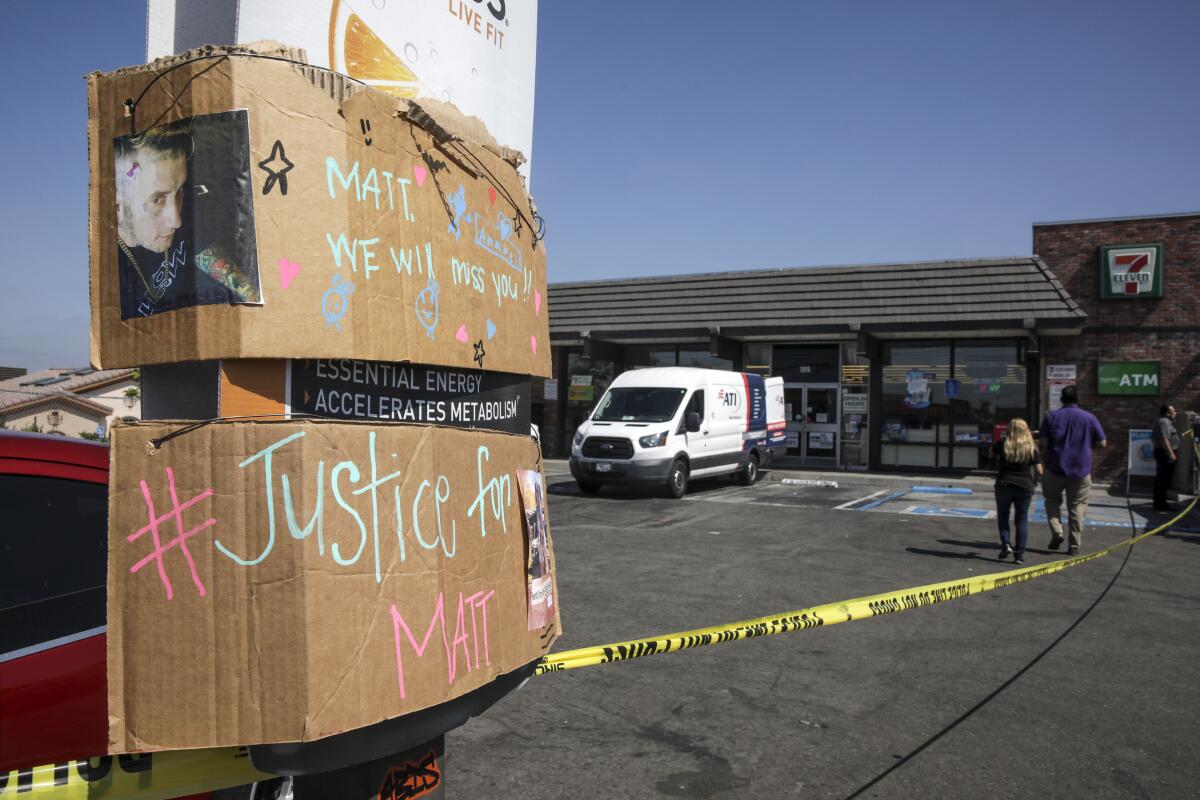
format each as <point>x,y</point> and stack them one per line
<point>812,414</point>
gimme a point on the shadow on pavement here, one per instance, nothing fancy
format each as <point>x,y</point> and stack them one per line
<point>995,545</point>
<point>921,551</point>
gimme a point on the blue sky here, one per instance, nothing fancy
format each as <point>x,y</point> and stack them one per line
<point>677,137</point>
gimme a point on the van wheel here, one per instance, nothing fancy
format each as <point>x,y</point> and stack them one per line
<point>587,487</point>
<point>677,480</point>
<point>749,473</point>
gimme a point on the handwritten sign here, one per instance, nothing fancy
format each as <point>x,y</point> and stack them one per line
<point>372,390</point>
<point>285,581</point>
<point>377,235</point>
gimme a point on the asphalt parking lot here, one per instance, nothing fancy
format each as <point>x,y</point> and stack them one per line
<point>1078,684</point>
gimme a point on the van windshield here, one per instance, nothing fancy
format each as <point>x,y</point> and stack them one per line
<point>638,404</point>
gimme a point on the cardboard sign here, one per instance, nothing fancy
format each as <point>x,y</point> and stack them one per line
<point>285,581</point>
<point>243,212</point>
<point>460,398</point>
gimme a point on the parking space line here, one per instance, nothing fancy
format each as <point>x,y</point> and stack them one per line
<point>885,499</point>
<point>845,506</point>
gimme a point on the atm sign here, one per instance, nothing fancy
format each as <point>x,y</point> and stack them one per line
<point>1129,378</point>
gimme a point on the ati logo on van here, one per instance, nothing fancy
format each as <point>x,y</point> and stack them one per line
<point>729,399</point>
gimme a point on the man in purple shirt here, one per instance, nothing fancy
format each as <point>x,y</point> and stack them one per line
<point>1068,436</point>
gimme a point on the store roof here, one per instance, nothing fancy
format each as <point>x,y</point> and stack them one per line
<point>933,296</point>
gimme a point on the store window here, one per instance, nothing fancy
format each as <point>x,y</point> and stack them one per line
<point>640,357</point>
<point>855,405</point>
<point>757,358</point>
<point>915,427</point>
<point>945,404</point>
<point>700,357</point>
<point>587,379</point>
<point>990,392</point>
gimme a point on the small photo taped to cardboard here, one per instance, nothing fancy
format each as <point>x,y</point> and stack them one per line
<point>185,215</point>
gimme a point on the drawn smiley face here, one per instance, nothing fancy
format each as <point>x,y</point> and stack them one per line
<point>426,308</point>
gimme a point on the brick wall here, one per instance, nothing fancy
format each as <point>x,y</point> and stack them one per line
<point>1165,329</point>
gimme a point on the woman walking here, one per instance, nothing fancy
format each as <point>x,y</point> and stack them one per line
<point>1020,467</point>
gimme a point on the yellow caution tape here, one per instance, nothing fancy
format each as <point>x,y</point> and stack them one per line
<point>831,613</point>
<point>150,776</point>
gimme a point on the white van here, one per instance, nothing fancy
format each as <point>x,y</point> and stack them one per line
<point>664,425</point>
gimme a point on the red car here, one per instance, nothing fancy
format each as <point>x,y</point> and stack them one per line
<point>53,558</point>
<point>53,563</point>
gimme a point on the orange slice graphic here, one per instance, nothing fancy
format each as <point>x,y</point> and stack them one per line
<point>356,50</point>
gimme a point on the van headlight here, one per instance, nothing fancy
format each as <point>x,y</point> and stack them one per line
<point>653,440</point>
<point>579,437</point>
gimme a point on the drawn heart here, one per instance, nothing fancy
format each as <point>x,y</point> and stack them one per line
<point>491,195</point>
<point>491,329</point>
<point>288,270</point>
<point>462,333</point>
<point>420,173</point>
<point>533,344</point>
<point>537,302</point>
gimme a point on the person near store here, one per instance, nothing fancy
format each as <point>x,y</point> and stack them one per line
<point>1166,452</point>
<point>1068,435</point>
<point>1019,468</point>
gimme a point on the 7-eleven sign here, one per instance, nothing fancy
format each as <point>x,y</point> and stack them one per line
<point>1131,271</point>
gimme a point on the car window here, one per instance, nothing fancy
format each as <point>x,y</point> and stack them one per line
<point>53,558</point>
<point>638,404</point>
<point>695,403</point>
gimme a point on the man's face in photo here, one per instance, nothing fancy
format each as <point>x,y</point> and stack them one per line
<point>150,200</point>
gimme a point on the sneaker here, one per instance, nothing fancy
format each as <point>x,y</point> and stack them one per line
<point>1055,543</point>
<point>1005,552</point>
<point>1018,559</point>
<point>1072,551</point>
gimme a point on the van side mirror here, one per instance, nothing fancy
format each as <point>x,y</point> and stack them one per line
<point>692,422</point>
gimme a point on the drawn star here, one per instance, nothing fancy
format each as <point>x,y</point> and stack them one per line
<point>274,173</point>
<point>479,353</point>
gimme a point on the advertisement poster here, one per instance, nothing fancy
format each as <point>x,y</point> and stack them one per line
<point>895,431</point>
<point>1060,372</point>
<point>581,394</point>
<point>379,390</point>
<point>185,216</point>
<point>918,390</point>
<point>1058,377</point>
<point>538,578</point>
<point>952,388</point>
<point>820,440</point>
<point>1141,453</point>
<point>480,56</point>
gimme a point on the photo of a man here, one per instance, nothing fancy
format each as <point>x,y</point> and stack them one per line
<point>538,577</point>
<point>185,224</point>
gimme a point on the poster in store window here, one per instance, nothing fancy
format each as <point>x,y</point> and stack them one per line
<point>918,388</point>
<point>854,403</point>
<point>820,440</point>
